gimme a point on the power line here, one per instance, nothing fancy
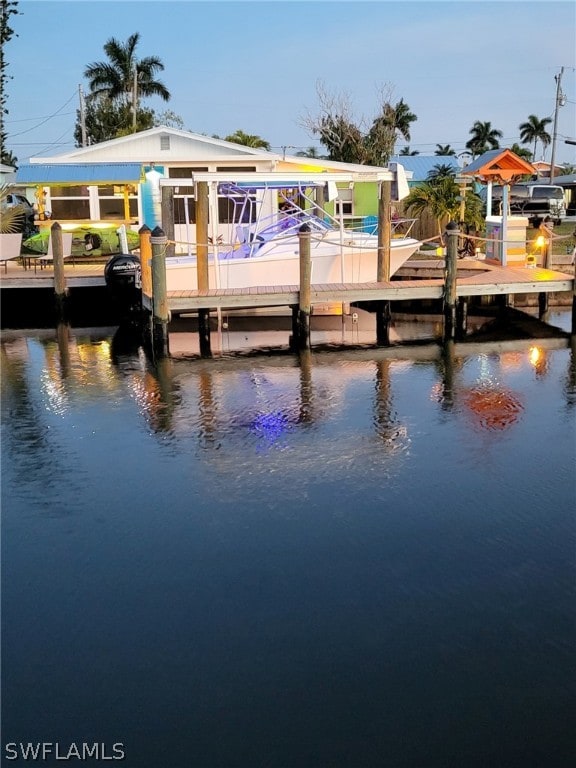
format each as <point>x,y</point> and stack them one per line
<point>55,114</point>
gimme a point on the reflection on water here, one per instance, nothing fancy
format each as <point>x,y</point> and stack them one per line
<point>290,560</point>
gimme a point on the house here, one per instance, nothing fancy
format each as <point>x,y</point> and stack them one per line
<point>118,181</point>
<point>419,166</point>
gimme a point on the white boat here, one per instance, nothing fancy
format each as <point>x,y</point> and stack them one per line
<point>262,249</point>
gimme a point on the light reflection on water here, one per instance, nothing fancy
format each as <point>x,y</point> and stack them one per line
<point>325,559</point>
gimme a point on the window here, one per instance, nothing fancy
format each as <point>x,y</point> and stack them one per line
<point>184,172</point>
<point>239,169</point>
<point>69,202</point>
<point>345,202</point>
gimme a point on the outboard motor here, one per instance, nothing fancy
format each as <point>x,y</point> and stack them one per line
<point>123,277</point>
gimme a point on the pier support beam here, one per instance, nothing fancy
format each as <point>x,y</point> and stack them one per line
<point>384,309</point>
<point>60,288</point>
<point>304,304</point>
<point>450,321</point>
<point>574,302</point>
<point>202,265</point>
<point>160,312</point>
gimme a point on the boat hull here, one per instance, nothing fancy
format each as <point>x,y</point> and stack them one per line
<point>330,265</point>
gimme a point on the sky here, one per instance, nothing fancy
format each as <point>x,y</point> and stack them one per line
<point>257,65</point>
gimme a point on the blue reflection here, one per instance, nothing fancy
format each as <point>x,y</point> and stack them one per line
<point>270,426</point>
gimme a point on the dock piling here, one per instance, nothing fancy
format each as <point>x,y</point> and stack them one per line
<point>60,288</point>
<point>383,308</point>
<point>160,312</point>
<point>304,301</point>
<point>202,265</point>
<point>450,294</point>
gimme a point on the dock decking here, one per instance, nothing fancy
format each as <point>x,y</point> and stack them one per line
<point>490,281</point>
<point>475,279</point>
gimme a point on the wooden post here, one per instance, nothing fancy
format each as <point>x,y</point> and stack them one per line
<point>452,233</point>
<point>543,297</point>
<point>202,234</point>
<point>574,302</point>
<point>146,262</point>
<point>319,200</point>
<point>383,309</point>
<point>384,232</point>
<point>304,307</point>
<point>167,214</point>
<point>160,314</point>
<point>202,264</point>
<point>60,289</point>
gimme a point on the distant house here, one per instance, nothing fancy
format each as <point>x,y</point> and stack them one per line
<point>117,181</point>
<point>421,165</point>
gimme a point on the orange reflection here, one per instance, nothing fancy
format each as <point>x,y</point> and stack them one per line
<point>492,408</point>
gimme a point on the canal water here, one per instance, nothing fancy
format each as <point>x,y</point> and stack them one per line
<point>350,559</point>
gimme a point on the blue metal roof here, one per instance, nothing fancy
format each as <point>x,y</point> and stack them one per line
<point>421,165</point>
<point>78,173</point>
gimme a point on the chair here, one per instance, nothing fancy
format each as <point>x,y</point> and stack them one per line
<point>45,258</point>
<point>10,247</point>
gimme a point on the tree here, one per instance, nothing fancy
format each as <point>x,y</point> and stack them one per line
<point>484,138</point>
<point>7,8</point>
<point>441,197</point>
<point>393,122</point>
<point>118,85</point>
<point>107,120</point>
<point>169,119</point>
<point>351,141</point>
<point>441,171</point>
<point>311,152</point>
<point>408,151</point>
<point>444,149</point>
<point>248,140</point>
<point>521,152</point>
<point>534,131</point>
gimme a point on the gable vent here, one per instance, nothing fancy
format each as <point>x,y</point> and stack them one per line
<point>164,142</point>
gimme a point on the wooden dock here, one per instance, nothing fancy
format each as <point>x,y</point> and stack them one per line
<point>485,281</point>
<point>475,278</point>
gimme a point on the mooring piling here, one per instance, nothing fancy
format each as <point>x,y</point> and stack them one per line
<point>60,288</point>
<point>450,291</point>
<point>383,308</point>
<point>202,265</point>
<point>304,301</point>
<point>160,312</point>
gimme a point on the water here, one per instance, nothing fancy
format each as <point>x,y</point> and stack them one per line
<point>357,559</point>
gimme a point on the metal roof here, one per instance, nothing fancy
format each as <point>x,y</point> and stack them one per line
<point>78,173</point>
<point>421,165</point>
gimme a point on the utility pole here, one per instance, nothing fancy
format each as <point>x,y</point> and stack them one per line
<point>560,101</point>
<point>134,99</point>
<point>82,116</point>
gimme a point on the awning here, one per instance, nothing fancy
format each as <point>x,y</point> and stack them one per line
<point>79,173</point>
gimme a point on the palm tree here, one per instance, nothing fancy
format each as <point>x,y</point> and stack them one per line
<point>444,149</point>
<point>310,152</point>
<point>408,151</point>
<point>248,140</point>
<point>484,138</point>
<point>534,130</point>
<point>124,78</point>
<point>394,122</point>
<point>441,171</point>
<point>522,152</point>
<point>440,197</point>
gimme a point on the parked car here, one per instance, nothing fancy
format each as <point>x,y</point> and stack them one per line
<point>532,200</point>
<point>26,219</point>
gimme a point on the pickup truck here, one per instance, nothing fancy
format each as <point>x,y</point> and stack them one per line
<point>532,200</point>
